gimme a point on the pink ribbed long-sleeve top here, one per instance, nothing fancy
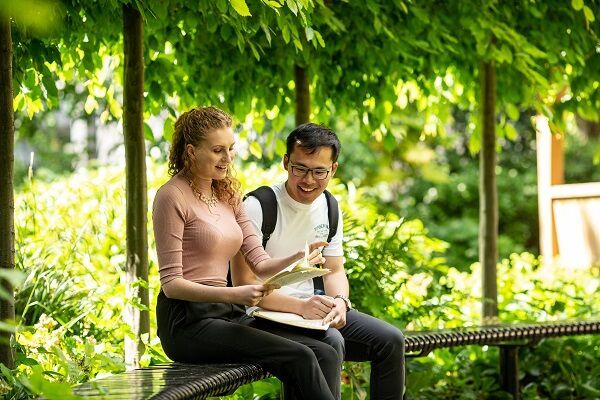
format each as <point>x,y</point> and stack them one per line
<point>195,244</point>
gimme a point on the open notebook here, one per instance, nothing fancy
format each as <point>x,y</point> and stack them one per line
<point>299,272</point>
<point>291,319</point>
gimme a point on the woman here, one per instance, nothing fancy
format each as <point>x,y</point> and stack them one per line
<point>199,224</point>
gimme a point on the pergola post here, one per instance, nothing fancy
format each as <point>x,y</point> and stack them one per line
<point>550,171</point>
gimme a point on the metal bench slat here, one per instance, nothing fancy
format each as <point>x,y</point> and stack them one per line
<point>187,381</point>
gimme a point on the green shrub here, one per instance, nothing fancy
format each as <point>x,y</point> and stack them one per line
<point>70,243</point>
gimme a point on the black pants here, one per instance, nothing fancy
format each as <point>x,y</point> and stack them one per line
<point>363,338</point>
<point>328,347</point>
<point>220,333</point>
<point>370,339</point>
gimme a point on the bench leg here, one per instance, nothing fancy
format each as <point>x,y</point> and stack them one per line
<point>509,370</point>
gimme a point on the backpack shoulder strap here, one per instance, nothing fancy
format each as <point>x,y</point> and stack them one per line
<point>332,214</point>
<point>268,204</point>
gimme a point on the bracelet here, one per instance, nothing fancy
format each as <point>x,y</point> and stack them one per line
<point>346,300</point>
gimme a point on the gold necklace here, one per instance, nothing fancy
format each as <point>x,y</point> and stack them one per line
<point>209,201</point>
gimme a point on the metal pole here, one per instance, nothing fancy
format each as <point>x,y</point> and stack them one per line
<point>509,370</point>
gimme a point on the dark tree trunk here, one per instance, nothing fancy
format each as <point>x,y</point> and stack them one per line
<point>7,200</point>
<point>488,196</point>
<point>591,129</point>
<point>137,203</point>
<point>92,139</point>
<point>302,95</point>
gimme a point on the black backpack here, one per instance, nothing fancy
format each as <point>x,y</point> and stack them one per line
<point>268,204</point>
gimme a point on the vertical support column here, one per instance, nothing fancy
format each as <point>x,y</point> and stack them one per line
<point>509,370</point>
<point>550,171</point>
<point>302,95</point>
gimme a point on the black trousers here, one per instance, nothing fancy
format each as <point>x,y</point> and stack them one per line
<point>363,338</point>
<point>370,339</point>
<point>328,347</point>
<point>221,333</point>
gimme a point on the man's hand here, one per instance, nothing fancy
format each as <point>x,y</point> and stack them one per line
<point>337,316</point>
<point>315,256</point>
<point>317,307</point>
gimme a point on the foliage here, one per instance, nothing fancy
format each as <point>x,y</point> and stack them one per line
<point>449,206</point>
<point>70,306</point>
<point>436,296</point>
<point>181,41</point>
<point>437,181</point>
<point>421,57</point>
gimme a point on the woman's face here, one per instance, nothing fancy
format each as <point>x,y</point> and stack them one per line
<point>211,158</point>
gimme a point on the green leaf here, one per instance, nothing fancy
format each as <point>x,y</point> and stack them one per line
<point>148,135</point>
<point>168,129</point>
<point>512,111</point>
<point>309,33</point>
<point>280,147</point>
<point>292,6</point>
<point>319,39</point>
<point>474,143</point>
<point>298,44</point>
<point>272,4</point>
<point>389,142</point>
<point>254,51</point>
<point>510,132</point>
<point>265,29</point>
<point>258,124</point>
<point>15,277</point>
<point>285,33</point>
<point>18,101</point>
<point>4,326</point>
<point>255,149</point>
<point>90,104</point>
<point>589,14</point>
<point>38,384</point>
<point>222,6</point>
<point>50,86</point>
<point>241,7</point>
<point>577,4</point>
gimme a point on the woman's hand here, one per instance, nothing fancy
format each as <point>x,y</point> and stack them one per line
<point>250,295</point>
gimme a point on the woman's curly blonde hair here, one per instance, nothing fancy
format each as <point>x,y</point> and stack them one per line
<point>191,128</point>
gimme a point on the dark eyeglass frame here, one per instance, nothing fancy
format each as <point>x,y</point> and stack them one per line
<point>300,171</point>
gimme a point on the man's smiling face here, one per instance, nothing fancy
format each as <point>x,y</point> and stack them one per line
<point>307,187</point>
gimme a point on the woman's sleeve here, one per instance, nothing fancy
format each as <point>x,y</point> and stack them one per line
<point>168,218</point>
<point>251,246</point>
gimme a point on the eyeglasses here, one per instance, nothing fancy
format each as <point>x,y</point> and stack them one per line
<point>317,173</point>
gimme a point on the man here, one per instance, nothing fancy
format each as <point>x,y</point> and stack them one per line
<point>302,215</point>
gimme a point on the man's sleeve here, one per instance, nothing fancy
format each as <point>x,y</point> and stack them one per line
<point>254,211</point>
<point>335,249</point>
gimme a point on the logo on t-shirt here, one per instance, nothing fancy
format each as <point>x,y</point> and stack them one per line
<point>322,231</point>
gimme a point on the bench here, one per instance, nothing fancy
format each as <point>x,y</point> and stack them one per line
<point>185,381</point>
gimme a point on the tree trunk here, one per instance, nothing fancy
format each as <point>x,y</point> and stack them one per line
<point>137,203</point>
<point>302,95</point>
<point>591,129</point>
<point>488,197</point>
<point>92,138</point>
<point>7,200</point>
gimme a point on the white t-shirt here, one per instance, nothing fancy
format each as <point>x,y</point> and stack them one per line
<point>297,224</point>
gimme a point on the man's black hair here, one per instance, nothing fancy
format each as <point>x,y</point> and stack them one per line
<point>309,137</point>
